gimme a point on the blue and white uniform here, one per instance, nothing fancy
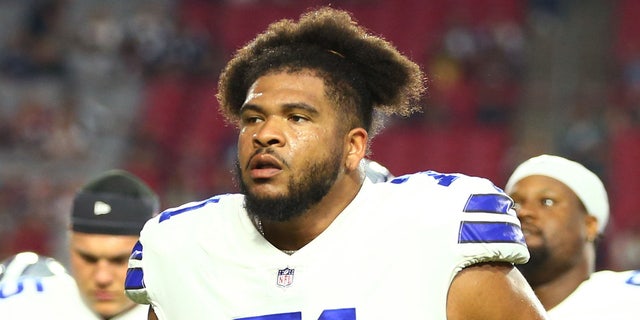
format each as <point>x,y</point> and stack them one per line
<point>33,286</point>
<point>391,254</point>
<point>39,287</point>
<point>52,297</point>
<point>605,295</point>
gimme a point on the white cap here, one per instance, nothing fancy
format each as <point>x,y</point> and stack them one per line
<point>584,183</point>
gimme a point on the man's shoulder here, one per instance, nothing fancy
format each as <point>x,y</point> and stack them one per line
<point>458,182</point>
<point>626,279</point>
<point>618,283</point>
<point>443,190</point>
<point>621,292</point>
<point>194,214</point>
<point>472,209</point>
<point>192,210</point>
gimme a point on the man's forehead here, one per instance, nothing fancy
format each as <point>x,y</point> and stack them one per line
<point>287,88</point>
<point>289,78</point>
<point>542,184</point>
<point>101,242</point>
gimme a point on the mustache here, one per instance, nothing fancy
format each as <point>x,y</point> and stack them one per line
<point>530,227</point>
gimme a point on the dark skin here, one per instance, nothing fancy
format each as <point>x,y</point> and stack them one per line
<point>152,315</point>
<point>504,291</point>
<point>292,114</point>
<point>560,235</point>
<point>273,115</point>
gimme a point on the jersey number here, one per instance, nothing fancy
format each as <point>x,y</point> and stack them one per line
<point>442,179</point>
<point>336,314</point>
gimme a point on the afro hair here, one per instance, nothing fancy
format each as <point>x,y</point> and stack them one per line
<point>364,73</point>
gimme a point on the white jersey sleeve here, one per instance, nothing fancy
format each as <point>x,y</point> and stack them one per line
<point>487,226</point>
<point>390,254</point>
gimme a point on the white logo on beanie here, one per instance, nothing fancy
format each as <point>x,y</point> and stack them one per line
<point>100,208</point>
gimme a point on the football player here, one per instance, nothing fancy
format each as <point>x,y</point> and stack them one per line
<point>107,216</point>
<point>564,209</point>
<point>309,237</point>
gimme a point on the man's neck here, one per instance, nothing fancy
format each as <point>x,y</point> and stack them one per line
<point>553,292</point>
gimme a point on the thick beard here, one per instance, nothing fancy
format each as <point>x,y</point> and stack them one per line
<point>534,269</point>
<point>302,193</point>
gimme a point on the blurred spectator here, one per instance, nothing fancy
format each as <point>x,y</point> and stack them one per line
<point>66,139</point>
<point>36,48</point>
<point>584,138</point>
<point>31,124</point>
<point>476,73</point>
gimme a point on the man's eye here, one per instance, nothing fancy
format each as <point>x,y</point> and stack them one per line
<point>297,118</point>
<point>548,202</point>
<point>250,119</point>
<point>120,260</point>
<point>89,259</point>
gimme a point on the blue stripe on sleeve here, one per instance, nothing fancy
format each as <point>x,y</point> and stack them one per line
<point>492,203</point>
<point>135,279</point>
<point>487,232</point>
<point>166,215</point>
<point>136,252</point>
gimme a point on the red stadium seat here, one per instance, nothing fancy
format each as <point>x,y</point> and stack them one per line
<point>624,180</point>
<point>474,151</point>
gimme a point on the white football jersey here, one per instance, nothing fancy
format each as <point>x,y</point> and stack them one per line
<point>605,295</point>
<point>52,297</point>
<point>139,312</point>
<point>391,254</point>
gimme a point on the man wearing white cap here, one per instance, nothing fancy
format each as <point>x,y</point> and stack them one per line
<point>563,208</point>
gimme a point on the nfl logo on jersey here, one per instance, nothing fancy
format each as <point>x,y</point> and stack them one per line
<point>285,277</point>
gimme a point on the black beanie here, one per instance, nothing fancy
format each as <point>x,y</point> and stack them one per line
<point>116,203</point>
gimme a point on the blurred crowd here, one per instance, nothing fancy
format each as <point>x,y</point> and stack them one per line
<point>87,86</point>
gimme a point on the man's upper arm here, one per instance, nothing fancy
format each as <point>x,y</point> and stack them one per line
<point>492,291</point>
<point>151,315</point>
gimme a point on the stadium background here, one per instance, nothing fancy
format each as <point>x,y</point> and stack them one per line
<point>89,85</point>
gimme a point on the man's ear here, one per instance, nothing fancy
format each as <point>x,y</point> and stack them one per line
<point>356,145</point>
<point>591,224</point>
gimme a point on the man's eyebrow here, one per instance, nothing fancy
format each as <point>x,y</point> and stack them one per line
<point>90,255</point>
<point>287,107</point>
<point>250,107</point>
<point>85,254</point>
